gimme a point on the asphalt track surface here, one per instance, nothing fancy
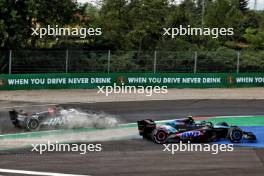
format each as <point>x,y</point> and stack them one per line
<point>138,157</point>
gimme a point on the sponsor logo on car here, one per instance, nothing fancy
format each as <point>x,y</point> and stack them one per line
<point>189,134</point>
<point>58,121</point>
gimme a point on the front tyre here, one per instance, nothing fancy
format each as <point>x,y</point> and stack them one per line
<point>160,136</point>
<point>235,134</point>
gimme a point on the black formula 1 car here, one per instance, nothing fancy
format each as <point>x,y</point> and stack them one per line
<point>188,130</point>
<point>57,117</point>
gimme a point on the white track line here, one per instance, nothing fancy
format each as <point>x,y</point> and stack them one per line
<point>36,173</point>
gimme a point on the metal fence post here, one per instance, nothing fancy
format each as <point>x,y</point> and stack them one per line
<point>10,62</point>
<point>108,61</point>
<point>238,61</point>
<point>155,62</point>
<point>195,62</point>
<point>66,61</point>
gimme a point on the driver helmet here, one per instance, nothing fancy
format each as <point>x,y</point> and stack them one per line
<point>51,110</point>
<point>190,118</point>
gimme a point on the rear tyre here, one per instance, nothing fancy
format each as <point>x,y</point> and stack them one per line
<point>160,136</point>
<point>32,124</point>
<point>235,134</point>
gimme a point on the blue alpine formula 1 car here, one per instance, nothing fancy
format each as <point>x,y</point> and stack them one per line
<point>188,130</point>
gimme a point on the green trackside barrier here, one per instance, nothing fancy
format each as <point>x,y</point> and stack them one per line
<point>92,80</point>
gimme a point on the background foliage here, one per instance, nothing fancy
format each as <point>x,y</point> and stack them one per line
<point>134,25</point>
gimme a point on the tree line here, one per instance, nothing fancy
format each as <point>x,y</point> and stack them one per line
<point>131,24</point>
<point>132,30</point>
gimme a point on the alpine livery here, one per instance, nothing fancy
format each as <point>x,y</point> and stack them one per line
<point>188,130</point>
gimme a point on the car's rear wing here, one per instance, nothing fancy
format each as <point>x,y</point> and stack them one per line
<point>13,114</point>
<point>145,127</point>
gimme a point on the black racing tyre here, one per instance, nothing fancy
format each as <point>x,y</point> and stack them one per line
<point>222,124</point>
<point>235,134</point>
<point>32,124</point>
<point>160,136</point>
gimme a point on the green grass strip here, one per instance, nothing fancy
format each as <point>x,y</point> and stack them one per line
<point>241,121</point>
